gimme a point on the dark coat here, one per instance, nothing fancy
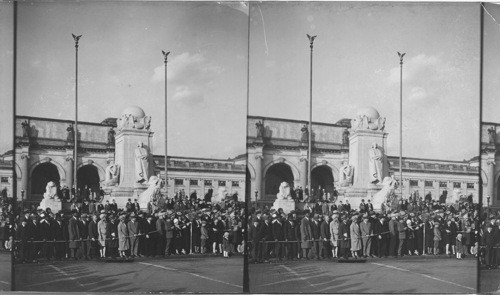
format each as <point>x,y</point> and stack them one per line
<point>74,233</point>
<point>267,232</point>
<point>278,232</point>
<point>315,230</point>
<point>344,235</point>
<point>289,230</point>
<point>325,230</point>
<point>92,229</point>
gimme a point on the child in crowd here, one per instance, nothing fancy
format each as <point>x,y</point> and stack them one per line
<point>437,238</point>
<point>226,245</point>
<point>459,246</point>
<point>204,236</point>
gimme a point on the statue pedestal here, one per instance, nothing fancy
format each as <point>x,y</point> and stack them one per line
<point>126,141</point>
<point>54,205</point>
<point>286,204</point>
<point>360,143</point>
<point>354,195</point>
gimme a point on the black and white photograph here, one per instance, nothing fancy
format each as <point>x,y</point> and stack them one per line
<point>262,147</point>
<point>130,146</point>
<point>6,145</point>
<point>489,232</point>
<point>362,145</point>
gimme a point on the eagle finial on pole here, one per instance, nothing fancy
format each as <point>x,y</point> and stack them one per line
<point>76,38</point>
<point>165,55</point>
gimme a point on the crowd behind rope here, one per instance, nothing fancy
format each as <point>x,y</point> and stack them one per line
<point>175,226</point>
<point>323,230</point>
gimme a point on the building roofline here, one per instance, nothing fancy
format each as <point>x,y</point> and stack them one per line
<point>296,121</point>
<point>433,160</point>
<point>61,120</point>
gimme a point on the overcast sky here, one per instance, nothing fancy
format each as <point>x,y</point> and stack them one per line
<point>356,64</point>
<point>491,76</point>
<point>121,64</point>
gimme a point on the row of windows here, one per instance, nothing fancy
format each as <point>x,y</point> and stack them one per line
<point>195,182</point>
<point>442,184</point>
<point>4,179</point>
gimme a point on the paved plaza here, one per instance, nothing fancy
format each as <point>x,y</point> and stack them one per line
<point>5,270</point>
<point>406,275</point>
<point>174,275</point>
<point>490,280</point>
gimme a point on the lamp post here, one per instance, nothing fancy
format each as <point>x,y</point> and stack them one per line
<point>401,55</point>
<point>165,61</point>
<point>75,133</point>
<point>309,141</point>
<point>22,200</point>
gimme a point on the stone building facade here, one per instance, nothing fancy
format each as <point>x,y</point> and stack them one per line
<point>44,152</point>
<point>277,151</point>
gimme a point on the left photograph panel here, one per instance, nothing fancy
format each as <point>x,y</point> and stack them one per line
<point>130,147</point>
<point>7,200</point>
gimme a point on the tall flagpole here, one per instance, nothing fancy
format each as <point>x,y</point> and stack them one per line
<point>165,57</point>
<point>75,131</point>
<point>309,150</point>
<point>401,55</point>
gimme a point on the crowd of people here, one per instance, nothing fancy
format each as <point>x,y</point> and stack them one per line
<point>490,239</point>
<point>334,230</point>
<point>177,226</point>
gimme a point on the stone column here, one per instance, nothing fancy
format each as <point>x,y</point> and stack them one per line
<point>303,172</point>
<point>68,166</point>
<point>490,189</point>
<point>25,164</point>
<point>258,176</point>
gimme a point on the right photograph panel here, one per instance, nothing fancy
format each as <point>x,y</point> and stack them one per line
<point>490,158</point>
<point>362,142</point>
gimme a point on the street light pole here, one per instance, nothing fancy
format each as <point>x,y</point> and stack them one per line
<point>165,60</point>
<point>401,55</point>
<point>75,133</point>
<point>309,150</point>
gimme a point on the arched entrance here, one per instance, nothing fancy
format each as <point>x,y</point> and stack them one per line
<point>88,177</point>
<point>322,176</point>
<point>275,175</point>
<point>248,186</point>
<point>41,175</point>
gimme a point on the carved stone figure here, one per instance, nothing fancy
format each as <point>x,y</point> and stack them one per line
<point>129,121</point>
<point>345,137</point>
<point>112,176</point>
<point>141,163</point>
<point>152,193</point>
<point>346,174</point>
<point>375,166</point>
<point>363,122</point>
<point>26,128</point>
<point>111,136</point>
<point>71,133</point>
<point>492,133</point>
<point>386,194</point>
<point>284,191</point>
<point>260,129</point>
<point>50,198</point>
<point>305,133</point>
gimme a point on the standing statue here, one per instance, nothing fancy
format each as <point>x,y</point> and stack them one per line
<point>492,133</point>
<point>305,133</point>
<point>50,198</point>
<point>376,165</point>
<point>151,194</point>
<point>141,163</point>
<point>284,192</point>
<point>346,174</point>
<point>26,128</point>
<point>345,137</point>
<point>260,129</point>
<point>112,176</point>
<point>111,136</point>
<point>71,133</point>
<point>386,196</point>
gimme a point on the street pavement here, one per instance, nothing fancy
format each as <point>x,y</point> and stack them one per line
<point>413,274</point>
<point>5,271</point>
<point>174,274</point>
<point>490,280</point>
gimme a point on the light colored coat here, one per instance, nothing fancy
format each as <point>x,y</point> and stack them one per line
<point>123,240</point>
<point>102,228</point>
<point>355,237</point>
<point>334,232</point>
